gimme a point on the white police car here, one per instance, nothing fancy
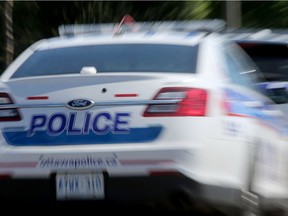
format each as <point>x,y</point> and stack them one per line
<point>161,112</point>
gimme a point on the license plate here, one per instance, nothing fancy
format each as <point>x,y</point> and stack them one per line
<point>79,186</point>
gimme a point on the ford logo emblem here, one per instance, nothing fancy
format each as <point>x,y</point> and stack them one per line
<point>80,104</point>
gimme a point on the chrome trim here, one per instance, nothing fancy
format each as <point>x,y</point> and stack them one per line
<point>107,103</point>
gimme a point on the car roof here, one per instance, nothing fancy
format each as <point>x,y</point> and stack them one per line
<point>169,32</point>
<point>264,36</point>
<point>191,38</point>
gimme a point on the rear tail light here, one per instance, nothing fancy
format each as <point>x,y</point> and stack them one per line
<point>191,102</point>
<point>225,105</point>
<point>5,176</point>
<point>8,114</point>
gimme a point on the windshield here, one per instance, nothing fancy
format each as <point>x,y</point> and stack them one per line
<point>111,58</point>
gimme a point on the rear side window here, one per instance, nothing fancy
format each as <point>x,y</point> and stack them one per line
<point>241,68</point>
<point>111,58</point>
<point>271,59</point>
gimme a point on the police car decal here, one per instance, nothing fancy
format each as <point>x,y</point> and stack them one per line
<point>86,161</point>
<point>41,138</point>
<point>57,123</point>
<point>60,129</point>
<point>237,108</point>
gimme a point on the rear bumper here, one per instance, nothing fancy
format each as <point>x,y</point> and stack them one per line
<point>126,189</point>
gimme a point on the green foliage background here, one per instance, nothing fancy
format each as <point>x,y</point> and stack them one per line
<point>34,20</point>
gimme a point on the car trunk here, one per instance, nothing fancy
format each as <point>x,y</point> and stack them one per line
<point>115,114</point>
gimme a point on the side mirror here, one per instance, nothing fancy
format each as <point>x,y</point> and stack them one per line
<point>276,91</point>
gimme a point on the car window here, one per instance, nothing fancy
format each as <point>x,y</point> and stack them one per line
<point>111,58</point>
<point>271,58</point>
<point>241,68</point>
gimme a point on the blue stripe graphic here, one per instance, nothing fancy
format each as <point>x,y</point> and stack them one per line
<point>41,138</point>
<point>236,106</point>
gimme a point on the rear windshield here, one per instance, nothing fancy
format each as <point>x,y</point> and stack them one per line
<point>111,58</point>
<point>271,59</point>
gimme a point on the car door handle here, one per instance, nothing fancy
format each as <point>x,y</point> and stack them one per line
<point>273,112</point>
<point>253,104</point>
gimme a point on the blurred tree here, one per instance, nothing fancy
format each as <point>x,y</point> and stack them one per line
<point>8,31</point>
<point>28,28</point>
<point>2,36</point>
<point>265,14</point>
<point>202,10</point>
